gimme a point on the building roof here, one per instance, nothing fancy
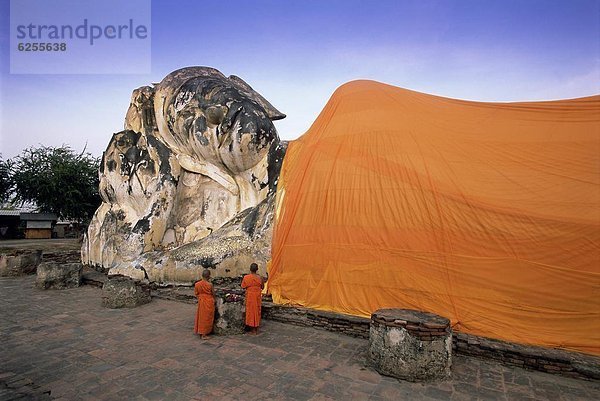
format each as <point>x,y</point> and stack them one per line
<point>10,212</point>
<point>39,216</point>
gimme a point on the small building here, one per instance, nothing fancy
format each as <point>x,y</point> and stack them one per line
<point>67,229</point>
<point>9,223</point>
<point>60,229</point>
<point>38,225</point>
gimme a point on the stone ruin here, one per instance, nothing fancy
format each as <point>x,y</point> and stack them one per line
<point>189,183</point>
<point>410,344</point>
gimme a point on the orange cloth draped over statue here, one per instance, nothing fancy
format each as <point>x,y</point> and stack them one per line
<point>486,213</point>
<point>205,314</point>
<point>253,285</point>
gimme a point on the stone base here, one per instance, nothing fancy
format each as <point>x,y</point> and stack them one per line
<point>335,322</point>
<point>51,275</point>
<point>19,264</point>
<point>410,345</point>
<point>124,292</point>
<point>231,316</point>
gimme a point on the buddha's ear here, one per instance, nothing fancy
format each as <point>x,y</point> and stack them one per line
<point>215,114</point>
<point>272,112</point>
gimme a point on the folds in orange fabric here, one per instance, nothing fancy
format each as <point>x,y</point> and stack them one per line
<point>486,213</point>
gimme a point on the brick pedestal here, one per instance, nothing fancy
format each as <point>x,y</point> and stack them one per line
<point>410,345</point>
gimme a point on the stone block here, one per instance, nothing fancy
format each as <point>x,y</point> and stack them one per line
<point>19,264</point>
<point>124,292</point>
<point>409,352</point>
<point>51,275</point>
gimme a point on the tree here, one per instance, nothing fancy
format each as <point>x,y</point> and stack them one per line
<point>6,183</point>
<point>58,181</point>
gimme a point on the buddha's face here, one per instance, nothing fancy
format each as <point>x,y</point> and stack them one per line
<point>217,123</point>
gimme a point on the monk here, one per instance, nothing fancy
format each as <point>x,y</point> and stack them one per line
<point>205,314</point>
<point>253,284</point>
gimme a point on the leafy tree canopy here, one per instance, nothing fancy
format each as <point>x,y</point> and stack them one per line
<point>5,179</point>
<point>57,180</point>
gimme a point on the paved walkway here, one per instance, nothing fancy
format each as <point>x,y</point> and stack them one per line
<point>66,342</point>
<point>46,245</point>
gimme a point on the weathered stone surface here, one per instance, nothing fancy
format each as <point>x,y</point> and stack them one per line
<point>52,275</point>
<point>93,277</point>
<point>398,347</point>
<point>124,292</point>
<point>587,370</point>
<point>230,314</point>
<point>190,183</point>
<point>137,184</point>
<point>19,263</point>
<point>227,252</point>
<point>62,256</point>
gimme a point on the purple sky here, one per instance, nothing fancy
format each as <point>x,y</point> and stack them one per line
<point>296,52</point>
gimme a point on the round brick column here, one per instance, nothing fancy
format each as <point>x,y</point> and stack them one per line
<point>410,345</point>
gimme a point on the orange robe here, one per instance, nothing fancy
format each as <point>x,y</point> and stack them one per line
<point>205,313</point>
<point>253,285</point>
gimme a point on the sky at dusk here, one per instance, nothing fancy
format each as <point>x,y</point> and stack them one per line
<point>297,52</point>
